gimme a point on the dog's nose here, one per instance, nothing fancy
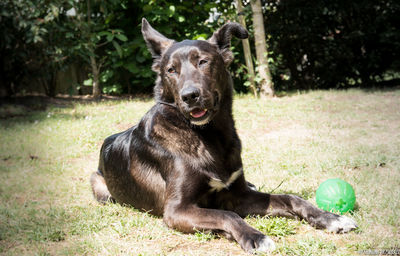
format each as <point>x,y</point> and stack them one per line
<point>190,95</point>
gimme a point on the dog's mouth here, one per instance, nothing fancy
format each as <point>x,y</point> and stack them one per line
<point>198,113</point>
<point>200,116</point>
<point>203,113</point>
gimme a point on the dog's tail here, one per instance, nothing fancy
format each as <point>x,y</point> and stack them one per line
<point>99,188</point>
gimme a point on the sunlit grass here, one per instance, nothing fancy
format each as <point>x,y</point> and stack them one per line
<point>290,145</point>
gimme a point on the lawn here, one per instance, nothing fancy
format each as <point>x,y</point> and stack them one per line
<point>290,145</point>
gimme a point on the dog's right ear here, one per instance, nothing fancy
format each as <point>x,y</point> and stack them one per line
<point>156,43</point>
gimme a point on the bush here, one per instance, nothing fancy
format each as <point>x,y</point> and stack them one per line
<point>333,44</point>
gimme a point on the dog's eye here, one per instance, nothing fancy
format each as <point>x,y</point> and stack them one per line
<point>202,62</point>
<point>171,70</point>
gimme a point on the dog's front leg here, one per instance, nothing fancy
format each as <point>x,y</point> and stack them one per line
<point>294,205</point>
<point>253,202</point>
<point>190,218</point>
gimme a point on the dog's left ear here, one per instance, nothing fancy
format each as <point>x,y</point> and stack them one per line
<point>156,43</point>
<point>222,38</point>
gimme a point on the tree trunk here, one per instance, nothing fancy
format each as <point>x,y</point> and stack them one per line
<point>96,93</point>
<point>95,72</point>
<point>246,49</point>
<point>267,86</point>
<point>44,84</point>
<point>53,83</point>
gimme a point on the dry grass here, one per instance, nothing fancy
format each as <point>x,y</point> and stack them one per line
<point>47,156</point>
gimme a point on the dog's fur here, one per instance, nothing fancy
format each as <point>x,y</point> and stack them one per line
<point>182,161</point>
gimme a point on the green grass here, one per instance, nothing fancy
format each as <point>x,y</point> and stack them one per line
<point>277,227</point>
<point>290,145</point>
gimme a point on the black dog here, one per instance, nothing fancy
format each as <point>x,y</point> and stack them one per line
<point>182,160</point>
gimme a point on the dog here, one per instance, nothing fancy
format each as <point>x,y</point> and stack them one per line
<point>182,160</point>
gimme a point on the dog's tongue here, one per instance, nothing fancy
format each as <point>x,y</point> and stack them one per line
<point>197,112</point>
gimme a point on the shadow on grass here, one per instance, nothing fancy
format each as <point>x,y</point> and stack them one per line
<point>24,105</point>
<point>32,109</point>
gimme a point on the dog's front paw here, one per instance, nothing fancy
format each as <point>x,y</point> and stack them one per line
<point>265,245</point>
<point>342,224</point>
<point>255,243</point>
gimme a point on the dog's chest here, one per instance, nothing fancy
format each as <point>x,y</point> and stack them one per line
<point>217,184</point>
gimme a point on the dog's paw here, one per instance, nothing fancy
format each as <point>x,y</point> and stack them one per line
<point>256,242</point>
<point>264,245</point>
<point>342,224</point>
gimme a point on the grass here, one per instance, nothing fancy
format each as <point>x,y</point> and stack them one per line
<point>290,145</point>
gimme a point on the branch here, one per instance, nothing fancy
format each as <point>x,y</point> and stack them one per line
<point>102,44</point>
<point>101,62</point>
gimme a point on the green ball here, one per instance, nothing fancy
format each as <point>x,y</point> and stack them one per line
<point>335,195</point>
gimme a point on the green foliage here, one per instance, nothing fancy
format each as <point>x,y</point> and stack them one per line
<point>33,46</point>
<point>39,39</point>
<point>311,44</point>
<point>332,44</point>
<point>171,18</point>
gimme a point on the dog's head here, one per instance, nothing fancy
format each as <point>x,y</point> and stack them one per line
<point>192,74</point>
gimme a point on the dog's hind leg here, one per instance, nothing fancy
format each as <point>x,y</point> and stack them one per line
<point>99,188</point>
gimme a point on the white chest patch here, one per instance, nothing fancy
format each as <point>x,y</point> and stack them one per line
<point>218,185</point>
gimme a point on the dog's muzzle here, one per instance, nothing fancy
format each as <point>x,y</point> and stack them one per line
<point>197,108</point>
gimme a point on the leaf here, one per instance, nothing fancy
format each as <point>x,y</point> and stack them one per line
<point>110,37</point>
<point>140,58</point>
<point>200,37</point>
<point>181,19</point>
<point>88,82</point>
<point>118,48</point>
<point>132,68</point>
<point>258,79</point>
<point>171,11</point>
<point>37,39</point>
<point>121,37</point>
<point>147,8</point>
<point>104,33</point>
